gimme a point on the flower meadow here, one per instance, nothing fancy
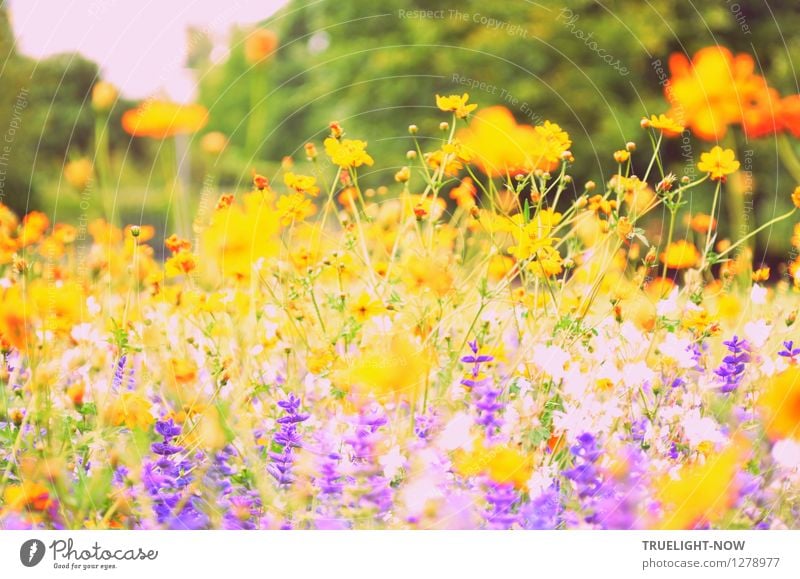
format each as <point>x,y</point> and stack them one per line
<point>477,343</point>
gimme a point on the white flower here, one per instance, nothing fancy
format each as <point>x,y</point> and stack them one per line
<point>669,305</point>
<point>392,462</point>
<point>757,332</point>
<point>636,374</point>
<point>551,360</point>
<point>678,349</point>
<point>787,453</point>
<point>700,429</point>
<point>758,294</point>
<point>456,433</point>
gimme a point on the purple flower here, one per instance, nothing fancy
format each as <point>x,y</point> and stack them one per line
<point>789,351</point>
<point>167,479</point>
<point>288,439</point>
<point>484,394</point>
<point>733,365</point>
<point>502,498</point>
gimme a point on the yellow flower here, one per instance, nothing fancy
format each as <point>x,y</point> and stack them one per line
<point>132,410</point>
<point>78,173</point>
<point>294,208</point>
<point>780,404</point>
<point>301,183</point>
<point>181,263</point>
<point>239,235</point>
<point>456,104</point>
<point>214,142</point>
<point>393,368</point>
<point>680,255</point>
<point>26,496</point>
<point>104,95</point>
<point>796,197</point>
<point>365,307</point>
<point>502,464</point>
<point>718,163</point>
<point>347,153</point>
<point>702,493</point>
<point>665,124</point>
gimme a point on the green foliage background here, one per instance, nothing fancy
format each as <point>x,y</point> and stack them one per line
<point>375,69</point>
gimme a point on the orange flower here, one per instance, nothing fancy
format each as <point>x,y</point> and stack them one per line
<point>260,45</point>
<point>716,89</point>
<point>464,193</point>
<point>680,255</point>
<point>26,496</point>
<point>780,404</point>
<point>796,197</point>
<point>702,222</point>
<point>162,119</point>
<point>789,114</point>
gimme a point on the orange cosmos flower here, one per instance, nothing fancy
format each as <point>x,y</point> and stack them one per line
<point>27,496</point>
<point>780,404</point>
<point>162,119</point>
<point>702,222</point>
<point>680,255</point>
<point>260,45</point>
<point>716,89</point>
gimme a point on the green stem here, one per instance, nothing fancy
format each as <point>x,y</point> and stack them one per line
<point>756,231</point>
<point>788,156</point>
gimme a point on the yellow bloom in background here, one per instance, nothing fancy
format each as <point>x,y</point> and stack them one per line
<point>28,495</point>
<point>301,183</point>
<point>701,493</point>
<point>718,163</point>
<point>78,173</point>
<point>260,45</point>
<point>239,235</point>
<point>15,328</point>
<point>680,255</point>
<point>180,263</point>
<point>780,404</point>
<point>392,368</point>
<point>162,119</point>
<point>294,208</point>
<point>456,104</point>
<point>214,143</point>
<point>502,464</point>
<point>132,410</point>
<point>667,125</point>
<point>104,95</point>
<point>59,305</point>
<point>422,273</point>
<point>500,146</point>
<point>347,153</point>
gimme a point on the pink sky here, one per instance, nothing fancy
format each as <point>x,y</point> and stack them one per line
<point>139,44</point>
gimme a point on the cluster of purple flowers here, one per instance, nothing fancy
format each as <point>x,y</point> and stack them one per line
<point>485,395</point>
<point>375,492</point>
<point>731,371</point>
<point>167,480</point>
<point>288,439</point>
